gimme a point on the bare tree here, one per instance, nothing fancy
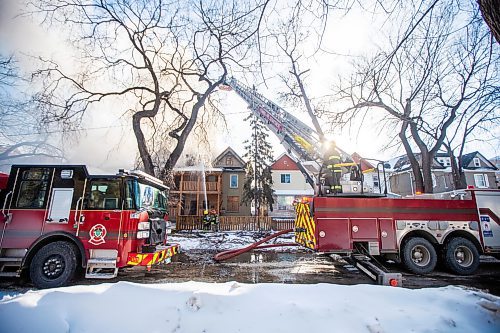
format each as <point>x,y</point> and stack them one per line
<point>434,75</point>
<point>490,9</point>
<point>159,61</point>
<point>21,136</point>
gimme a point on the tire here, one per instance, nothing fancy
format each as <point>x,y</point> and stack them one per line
<point>54,265</point>
<point>419,256</point>
<point>461,256</point>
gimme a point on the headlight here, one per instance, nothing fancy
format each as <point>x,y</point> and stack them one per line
<point>143,225</point>
<point>142,234</point>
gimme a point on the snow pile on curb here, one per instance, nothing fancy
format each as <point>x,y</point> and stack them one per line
<point>234,307</point>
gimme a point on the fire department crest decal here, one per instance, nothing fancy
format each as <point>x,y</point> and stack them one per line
<point>97,234</point>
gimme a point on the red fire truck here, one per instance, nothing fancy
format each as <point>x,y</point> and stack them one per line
<point>57,220</point>
<point>417,231</point>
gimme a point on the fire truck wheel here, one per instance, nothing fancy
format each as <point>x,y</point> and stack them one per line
<point>54,265</point>
<point>461,256</point>
<point>419,256</point>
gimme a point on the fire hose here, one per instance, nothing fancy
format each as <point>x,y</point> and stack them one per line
<point>221,256</point>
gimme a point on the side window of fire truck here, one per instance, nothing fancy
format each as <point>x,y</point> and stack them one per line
<point>33,188</point>
<point>131,187</point>
<point>104,195</point>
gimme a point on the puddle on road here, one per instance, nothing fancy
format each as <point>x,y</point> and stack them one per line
<point>252,267</point>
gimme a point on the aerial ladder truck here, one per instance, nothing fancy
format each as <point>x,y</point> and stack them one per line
<point>300,141</point>
<point>454,229</point>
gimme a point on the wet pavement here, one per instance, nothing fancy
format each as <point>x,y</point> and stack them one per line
<point>292,266</point>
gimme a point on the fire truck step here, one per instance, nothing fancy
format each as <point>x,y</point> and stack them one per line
<point>101,268</point>
<point>9,274</point>
<point>11,259</point>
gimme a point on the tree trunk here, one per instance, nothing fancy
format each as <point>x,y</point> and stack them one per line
<point>458,176</point>
<point>146,159</point>
<point>490,10</point>
<point>427,171</point>
<point>415,167</point>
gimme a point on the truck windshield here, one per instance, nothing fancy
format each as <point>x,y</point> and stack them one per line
<point>151,197</point>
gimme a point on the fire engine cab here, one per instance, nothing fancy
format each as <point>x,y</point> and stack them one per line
<point>58,220</point>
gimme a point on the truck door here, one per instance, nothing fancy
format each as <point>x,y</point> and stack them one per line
<point>26,207</point>
<point>65,199</point>
<point>101,215</point>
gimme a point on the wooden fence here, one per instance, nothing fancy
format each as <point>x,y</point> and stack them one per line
<point>235,223</point>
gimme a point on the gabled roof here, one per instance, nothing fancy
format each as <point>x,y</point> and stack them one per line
<point>284,162</point>
<point>467,159</point>
<point>402,163</point>
<point>219,160</point>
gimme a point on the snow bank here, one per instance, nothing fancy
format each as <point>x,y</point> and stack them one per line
<point>234,307</point>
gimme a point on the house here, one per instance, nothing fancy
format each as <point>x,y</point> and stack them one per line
<point>289,184</point>
<point>221,186</point>
<point>192,185</point>
<point>496,162</point>
<point>233,178</point>
<point>479,172</point>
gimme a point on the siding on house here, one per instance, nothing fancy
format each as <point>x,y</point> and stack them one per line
<point>229,194</point>
<point>473,164</point>
<point>232,164</point>
<point>288,184</point>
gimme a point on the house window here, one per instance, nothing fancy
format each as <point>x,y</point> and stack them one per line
<point>285,178</point>
<point>233,204</point>
<point>481,180</point>
<point>477,162</point>
<point>285,202</point>
<point>446,162</point>
<point>229,160</point>
<point>233,182</point>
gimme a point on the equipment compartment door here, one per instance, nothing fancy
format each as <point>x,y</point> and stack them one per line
<point>364,229</point>
<point>333,235</point>
<point>387,234</point>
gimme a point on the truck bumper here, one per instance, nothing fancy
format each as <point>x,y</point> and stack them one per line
<point>162,254</point>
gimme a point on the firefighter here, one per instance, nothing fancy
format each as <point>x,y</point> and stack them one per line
<point>214,220</point>
<point>206,220</point>
<point>332,161</point>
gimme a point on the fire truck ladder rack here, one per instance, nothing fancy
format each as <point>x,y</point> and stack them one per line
<point>301,141</point>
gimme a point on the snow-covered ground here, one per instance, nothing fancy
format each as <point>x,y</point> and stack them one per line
<point>220,241</point>
<point>234,307</point>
